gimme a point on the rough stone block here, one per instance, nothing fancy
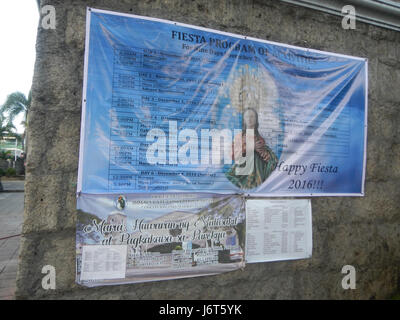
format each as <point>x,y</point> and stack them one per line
<point>47,210</point>
<point>39,250</point>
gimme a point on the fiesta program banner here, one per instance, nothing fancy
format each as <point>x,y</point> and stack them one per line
<point>169,107</point>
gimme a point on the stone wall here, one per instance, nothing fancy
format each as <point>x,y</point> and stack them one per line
<point>360,231</point>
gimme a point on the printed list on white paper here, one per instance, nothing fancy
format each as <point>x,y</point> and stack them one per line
<point>278,230</point>
<point>100,262</point>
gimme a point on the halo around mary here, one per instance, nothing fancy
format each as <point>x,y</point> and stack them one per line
<point>255,88</point>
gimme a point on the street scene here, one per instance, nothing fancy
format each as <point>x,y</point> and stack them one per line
<point>11,219</point>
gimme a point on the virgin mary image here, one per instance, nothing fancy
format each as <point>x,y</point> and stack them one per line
<point>248,90</point>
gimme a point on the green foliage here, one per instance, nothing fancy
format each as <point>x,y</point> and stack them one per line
<point>6,127</point>
<point>396,296</point>
<point>11,172</point>
<point>86,218</point>
<point>169,247</point>
<point>4,155</point>
<point>2,172</point>
<point>15,104</point>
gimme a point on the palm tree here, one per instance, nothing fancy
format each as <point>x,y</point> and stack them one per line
<point>6,127</point>
<point>15,104</point>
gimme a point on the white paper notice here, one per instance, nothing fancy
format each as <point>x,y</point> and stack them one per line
<point>100,262</point>
<point>278,230</point>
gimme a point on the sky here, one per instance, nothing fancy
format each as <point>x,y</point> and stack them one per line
<point>19,20</point>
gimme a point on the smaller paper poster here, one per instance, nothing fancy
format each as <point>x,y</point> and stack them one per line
<point>130,238</point>
<point>278,230</point>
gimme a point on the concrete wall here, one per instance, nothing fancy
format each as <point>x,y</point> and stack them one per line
<point>363,232</point>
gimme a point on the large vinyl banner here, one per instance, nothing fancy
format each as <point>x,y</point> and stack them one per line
<point>169,107</point>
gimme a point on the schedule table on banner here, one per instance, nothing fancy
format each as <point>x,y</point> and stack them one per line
<point>169,107</point>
